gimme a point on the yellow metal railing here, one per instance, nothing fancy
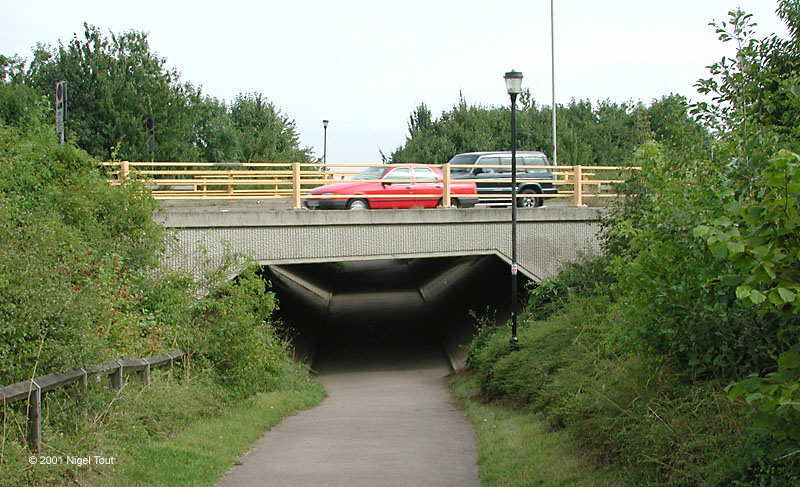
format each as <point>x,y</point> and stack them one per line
<point>266,180</point>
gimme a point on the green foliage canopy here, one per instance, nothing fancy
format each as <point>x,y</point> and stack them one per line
<point>116,82</point>
<point>605,133</point>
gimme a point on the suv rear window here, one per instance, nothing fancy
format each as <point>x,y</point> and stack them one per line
<point>535,161</point>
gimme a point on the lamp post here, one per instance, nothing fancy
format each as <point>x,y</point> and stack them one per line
<point>514,87</point>
<point>553,80</point>
<point>325,143</point>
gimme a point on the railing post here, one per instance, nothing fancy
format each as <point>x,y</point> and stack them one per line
<point>578,193</point>
<point>84,380</point>
<point>145,376</point>
<point>116,377</point>
<point>124,170</point>
<point>35,417</point>
<point>446,185</point>
<point>230,181</point>
<point>296,203</point>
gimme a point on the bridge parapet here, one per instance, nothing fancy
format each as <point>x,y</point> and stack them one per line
<point>293,181</point>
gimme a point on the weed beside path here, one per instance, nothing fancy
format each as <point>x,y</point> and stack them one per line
<point>516,448</point>
<point>201,454</point>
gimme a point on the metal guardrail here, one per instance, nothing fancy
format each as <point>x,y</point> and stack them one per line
<point>268,180</point>
<point>32,389</point>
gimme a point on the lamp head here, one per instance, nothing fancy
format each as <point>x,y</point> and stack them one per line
<point>513,82</point>
<point>325,123</point>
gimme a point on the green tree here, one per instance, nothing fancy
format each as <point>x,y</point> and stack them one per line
<point>263,133</point>
<point>20,105</point>
<point>603,134</point>
<point>114,84</point>
<point>672,126</point>
<point>215,136</point>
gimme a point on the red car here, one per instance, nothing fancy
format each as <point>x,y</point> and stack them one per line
<point>403,183</point>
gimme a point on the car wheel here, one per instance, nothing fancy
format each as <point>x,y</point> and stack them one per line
<point>456,202</point>
<point>357,205</point>
<point>529,201</point>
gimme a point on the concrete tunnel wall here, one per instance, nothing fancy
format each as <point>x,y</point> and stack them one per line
<point>314,297</point>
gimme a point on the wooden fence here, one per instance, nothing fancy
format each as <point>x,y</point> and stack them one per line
<point>265,180</point>
<point>32,389</point>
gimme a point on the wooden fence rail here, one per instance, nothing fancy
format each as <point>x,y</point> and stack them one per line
<point>265,180</point>
<point>32,389</point>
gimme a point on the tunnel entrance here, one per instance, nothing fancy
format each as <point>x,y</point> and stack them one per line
<point>382,314</point>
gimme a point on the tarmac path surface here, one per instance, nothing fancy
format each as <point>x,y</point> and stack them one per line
<point>389,419</point>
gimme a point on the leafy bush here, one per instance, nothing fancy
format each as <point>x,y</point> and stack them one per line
<point>234,335</point>
<point>669,296</point>
<point>87,253</point>
<point>628,409</point>
<point>759,236</point>
<point>79,283</point>
<point>588,277</point>
<point>73,246</point>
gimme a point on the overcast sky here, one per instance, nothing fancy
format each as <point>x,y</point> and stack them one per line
<point>365,65</point>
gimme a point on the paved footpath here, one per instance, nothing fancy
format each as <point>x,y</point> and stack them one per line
<point>389,420</point>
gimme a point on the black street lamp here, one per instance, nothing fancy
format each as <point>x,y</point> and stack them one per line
<point>514,87</point>
<point>325,143</point>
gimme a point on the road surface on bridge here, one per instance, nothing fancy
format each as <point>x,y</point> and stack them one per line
<point>389,418</point>
<point>265,204</point>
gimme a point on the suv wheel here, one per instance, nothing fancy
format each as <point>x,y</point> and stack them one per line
<point>529,201</point>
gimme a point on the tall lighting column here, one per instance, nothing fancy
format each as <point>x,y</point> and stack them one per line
<point>553,80</point>
<point>325,143</point>
<point>514,87</point>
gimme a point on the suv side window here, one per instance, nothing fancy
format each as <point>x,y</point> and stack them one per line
<point>535,161</point>
<point>490,161</point>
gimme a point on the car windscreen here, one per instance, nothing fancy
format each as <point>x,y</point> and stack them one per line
<point>370,173</point>
<point>463,159</point>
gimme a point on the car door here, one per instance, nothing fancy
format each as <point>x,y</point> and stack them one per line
<point>537,173</point>
<point>396,182</point>
<point>427,183</point>
<point>505,174</point>
<point>486,177</point>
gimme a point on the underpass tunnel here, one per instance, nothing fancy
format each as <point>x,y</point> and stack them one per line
<point>379,313</point>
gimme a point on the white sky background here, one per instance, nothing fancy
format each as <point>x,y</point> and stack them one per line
<point>365,65</point>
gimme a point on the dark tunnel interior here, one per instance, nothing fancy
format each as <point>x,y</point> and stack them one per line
<point>371,314</point>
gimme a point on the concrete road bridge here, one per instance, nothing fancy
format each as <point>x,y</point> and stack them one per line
<point>547,236</point>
